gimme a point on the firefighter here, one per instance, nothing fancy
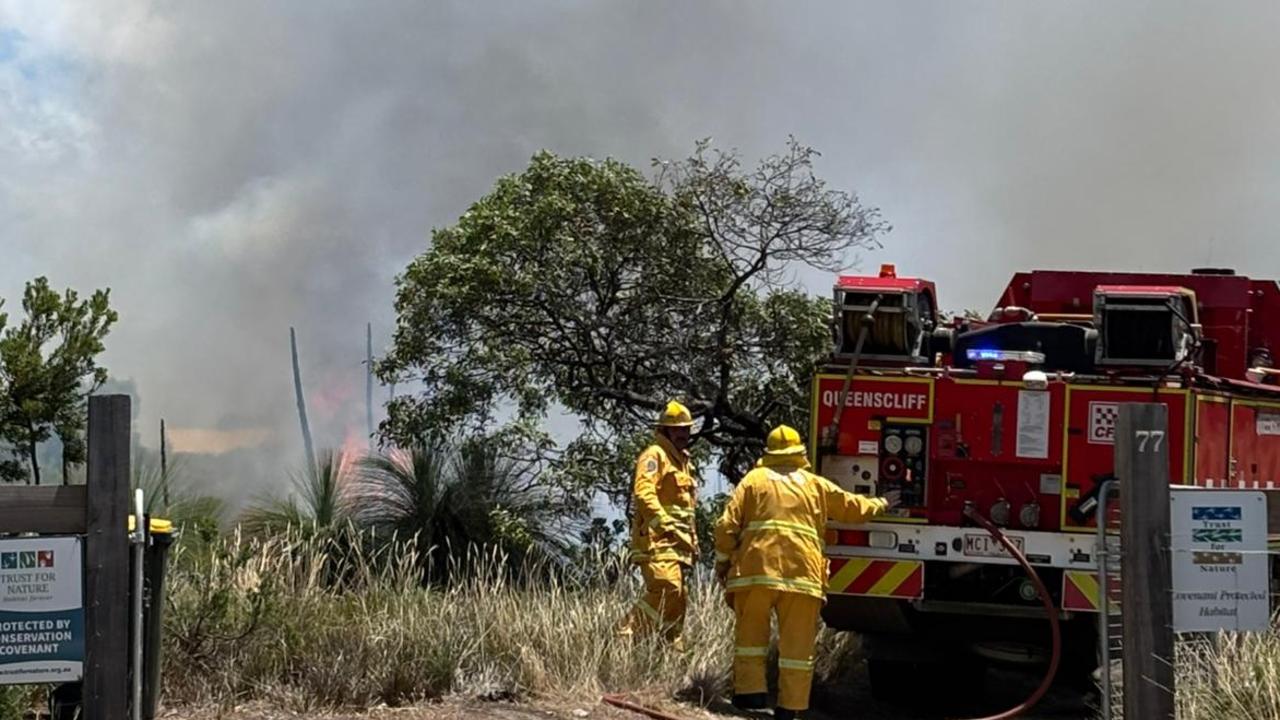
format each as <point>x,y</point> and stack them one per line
<point>663,538</point>
<point>769,556</point>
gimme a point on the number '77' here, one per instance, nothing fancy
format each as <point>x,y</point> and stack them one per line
<point>1147,436</point>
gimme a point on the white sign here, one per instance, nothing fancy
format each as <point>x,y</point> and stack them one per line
<point>1219,560</point>
<point>1102,422</point>
<point>1267,423</point>
<point>1033,424</point>
<point>41,610</point>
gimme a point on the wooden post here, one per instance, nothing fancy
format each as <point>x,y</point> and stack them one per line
<point>1142,466</point>
<point>106,559</point>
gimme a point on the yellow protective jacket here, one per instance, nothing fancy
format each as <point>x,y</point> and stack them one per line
<point>771,532</point>
<point>663,500</point>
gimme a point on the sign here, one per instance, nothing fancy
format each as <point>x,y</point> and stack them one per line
<point>1033,424</point>
<point>1102,422</point>
<point>886,400</point>
<point>1267,423</point>
<point>1219,560</point>
<point>870,397</point>
<point>41,610</point>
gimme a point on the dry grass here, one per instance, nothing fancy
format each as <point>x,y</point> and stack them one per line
<point>287,619</point>
<point>305,621</point>
<point>1230,676</point>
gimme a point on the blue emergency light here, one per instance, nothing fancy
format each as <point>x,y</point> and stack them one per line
<point>1025,356</point>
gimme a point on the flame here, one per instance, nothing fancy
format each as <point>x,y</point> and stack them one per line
<point>355,445</point>
<point>334,395</point>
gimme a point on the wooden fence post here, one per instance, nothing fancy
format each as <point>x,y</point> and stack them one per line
<point>106,559</point>
<point>1142,466</point>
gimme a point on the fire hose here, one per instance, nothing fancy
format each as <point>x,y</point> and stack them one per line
<point>620,702</point>
<point>971,512</point>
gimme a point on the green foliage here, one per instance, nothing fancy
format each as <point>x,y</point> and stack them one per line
<point>586,287</point>
<point>319,499</point>
<point>16,701</point>
<point>198,518</point>
<point>705,516</point>
<point>452,498</point>
<point>603,537</point>
<point>48,367</point>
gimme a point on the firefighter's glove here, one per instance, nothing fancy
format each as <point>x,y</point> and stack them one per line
<point>892,499</point>
<point>722,572</point>
<point>684,540</point>
<point>663,524</point>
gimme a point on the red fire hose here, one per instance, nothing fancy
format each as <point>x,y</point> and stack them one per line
<point>621,702</point>
<point>1024,706</point>
<point>1045,598</point>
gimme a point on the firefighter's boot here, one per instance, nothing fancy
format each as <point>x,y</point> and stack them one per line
<point>751,701</point>
<point>781,713</point>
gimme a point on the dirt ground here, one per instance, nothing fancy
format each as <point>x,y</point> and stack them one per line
<point>854,703</point>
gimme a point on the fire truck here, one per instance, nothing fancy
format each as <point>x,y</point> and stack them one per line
<point>1013,417</point>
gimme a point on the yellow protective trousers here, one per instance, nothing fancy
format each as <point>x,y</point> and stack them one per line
<point>663,604</point>
<point>797,631</point>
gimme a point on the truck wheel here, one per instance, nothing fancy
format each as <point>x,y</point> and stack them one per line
<point>899,681</point>
<point>891,679</point>
<point>966,679</point>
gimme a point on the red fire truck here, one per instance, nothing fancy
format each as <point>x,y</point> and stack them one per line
<point>1013,416</point>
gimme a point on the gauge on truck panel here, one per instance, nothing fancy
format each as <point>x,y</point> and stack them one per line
<point>914,444</point>
<point>893,444</point>
<point>903,463</point>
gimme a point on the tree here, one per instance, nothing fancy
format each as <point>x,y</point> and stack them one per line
<point>588,287</point>
<point>319,501</point>
<point>48,368</point>
<point>705,516</point>
<point>455,497</point>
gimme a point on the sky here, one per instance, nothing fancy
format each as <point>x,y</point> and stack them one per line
<point>232,169</point>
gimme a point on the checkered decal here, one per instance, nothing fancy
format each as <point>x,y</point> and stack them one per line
<point>1102,422</point>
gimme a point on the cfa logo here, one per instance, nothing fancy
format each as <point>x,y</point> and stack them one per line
<point>1102,422</point>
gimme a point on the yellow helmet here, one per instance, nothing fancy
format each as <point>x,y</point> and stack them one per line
<point>676,415</point>
<point>784,440</point>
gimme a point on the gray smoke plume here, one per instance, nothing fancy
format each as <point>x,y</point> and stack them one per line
<point>230,169</point>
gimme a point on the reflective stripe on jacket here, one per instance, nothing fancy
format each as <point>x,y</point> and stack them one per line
<point>771,532</point>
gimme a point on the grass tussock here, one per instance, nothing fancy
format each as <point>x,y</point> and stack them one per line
<point>1230,676</point>
<point>318,620</point>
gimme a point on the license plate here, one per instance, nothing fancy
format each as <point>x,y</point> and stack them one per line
<point>987,546</point>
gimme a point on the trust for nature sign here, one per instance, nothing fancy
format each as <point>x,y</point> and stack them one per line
<point>41,610</point>
<point>1219,560</point>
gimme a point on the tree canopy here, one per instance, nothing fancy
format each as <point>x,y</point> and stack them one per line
<point>587,287</point>
<point>48,368</point>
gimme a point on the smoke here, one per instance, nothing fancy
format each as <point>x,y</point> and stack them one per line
<point>231,169</point>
